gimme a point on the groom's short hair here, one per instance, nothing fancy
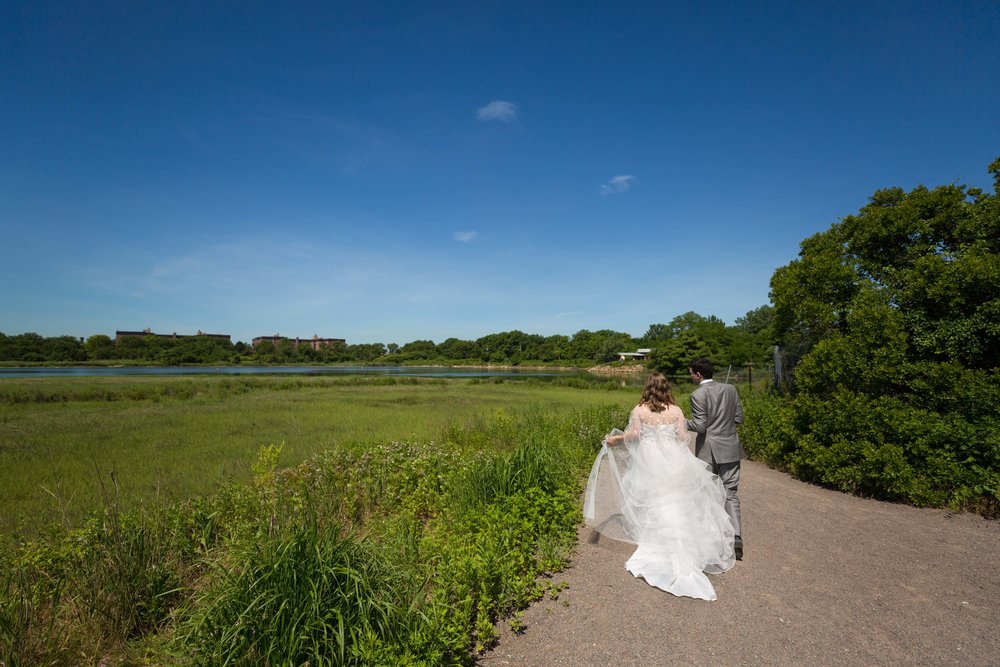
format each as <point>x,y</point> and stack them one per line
<point>703,366</point>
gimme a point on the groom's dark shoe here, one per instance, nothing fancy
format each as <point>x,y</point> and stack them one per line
<point>738,547</point>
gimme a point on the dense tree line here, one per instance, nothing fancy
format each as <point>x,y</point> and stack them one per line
<point>31,347</point>
<point>892,320</point>
<point>673,345</point>
<point>691,335</point>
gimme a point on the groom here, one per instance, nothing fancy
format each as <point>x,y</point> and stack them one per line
<point>716,411</point>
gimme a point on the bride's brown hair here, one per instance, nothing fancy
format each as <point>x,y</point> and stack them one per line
<point>656,394</point>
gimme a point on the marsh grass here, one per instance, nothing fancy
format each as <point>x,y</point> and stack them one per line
<point>89,591</point>
<point>538,460</point>
<point>167,439</point>
<point>378,553</point>
<point>270,576</point>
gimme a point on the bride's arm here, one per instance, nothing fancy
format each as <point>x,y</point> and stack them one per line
<point>682,433</point>
<point>631,431</point>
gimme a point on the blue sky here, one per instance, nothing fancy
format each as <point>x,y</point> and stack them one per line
<point>387,172</point>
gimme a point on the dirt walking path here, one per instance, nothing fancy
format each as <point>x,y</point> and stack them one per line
<point>827,579</point>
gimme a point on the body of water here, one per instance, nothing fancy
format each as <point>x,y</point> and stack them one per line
<point>404,371</point>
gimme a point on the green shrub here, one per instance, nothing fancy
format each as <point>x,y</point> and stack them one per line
<point>886,447</point>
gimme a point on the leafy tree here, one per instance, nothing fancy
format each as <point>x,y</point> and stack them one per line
<point>655,334</point>
<point>265,351</point>
<point>130,348</point>
<point>894,317</point>
<point>365,352</point>
<point>757,321</point>
<point>26,347</point>
<point>307,352</point>
<point>456,349</point>
<point>287,351</point>
<point>335,351</point>
<point>933,254</point>
<point>555,348</point>
<point>752,337</point>
<point>508,346</point>
<point>100,346</point>
<point>584,345</point>
<point>419,349</point>
<point>687,337</point>
<point>613,342</point>
<point>64,348</point>
<point>811,294</point>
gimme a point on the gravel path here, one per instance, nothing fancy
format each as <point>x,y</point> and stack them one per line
<point>827,579</point>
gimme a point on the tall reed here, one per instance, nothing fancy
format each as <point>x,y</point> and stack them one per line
<point>309,596</point>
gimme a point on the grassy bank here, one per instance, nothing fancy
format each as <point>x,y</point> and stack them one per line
<point>170,438</point>
<point>403,547</point>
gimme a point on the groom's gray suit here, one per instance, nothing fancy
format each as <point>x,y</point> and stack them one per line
<point>715,412</point>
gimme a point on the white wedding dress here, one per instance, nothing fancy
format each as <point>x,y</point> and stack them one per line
<point>651,491</point>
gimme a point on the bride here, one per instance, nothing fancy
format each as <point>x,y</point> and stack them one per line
<point>647,488</point>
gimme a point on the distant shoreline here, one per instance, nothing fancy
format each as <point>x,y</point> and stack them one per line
<point>121,363</point>
<point>632,369</point>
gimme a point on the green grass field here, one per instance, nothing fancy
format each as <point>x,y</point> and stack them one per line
<point>167,439</point>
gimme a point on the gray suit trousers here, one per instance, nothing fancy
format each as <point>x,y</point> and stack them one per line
<point>729,473</point>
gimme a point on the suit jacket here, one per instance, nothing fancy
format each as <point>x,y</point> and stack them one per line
<point>715,413</point>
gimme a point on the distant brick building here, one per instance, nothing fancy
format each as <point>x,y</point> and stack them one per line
<point>315,342</point>
<point>121,335</point>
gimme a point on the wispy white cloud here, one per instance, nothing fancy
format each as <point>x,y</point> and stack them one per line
<point>464,237</point>
<point>505,112</point>
<point>617,185</point>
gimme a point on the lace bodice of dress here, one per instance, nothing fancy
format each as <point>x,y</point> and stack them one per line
<point>642,417</point>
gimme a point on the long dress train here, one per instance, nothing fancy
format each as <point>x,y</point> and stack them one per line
<point>651,491</point>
